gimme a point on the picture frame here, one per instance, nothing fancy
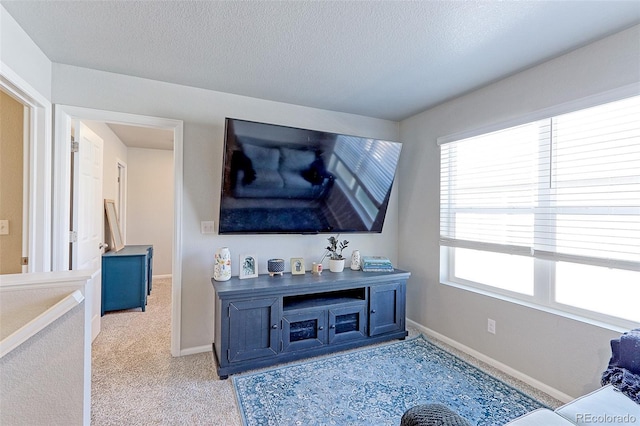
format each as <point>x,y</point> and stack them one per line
<point>297,266</point>
<point>117,242</point>
<point>248,266</point>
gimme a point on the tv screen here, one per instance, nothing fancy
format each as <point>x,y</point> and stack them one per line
<point>285,180</point>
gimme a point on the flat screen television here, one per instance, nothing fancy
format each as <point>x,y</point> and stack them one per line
<point>284,180</point>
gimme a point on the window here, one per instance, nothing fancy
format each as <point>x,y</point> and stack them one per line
<point>549,212</point>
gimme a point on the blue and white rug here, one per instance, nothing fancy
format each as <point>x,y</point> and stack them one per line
<point>375,386</point>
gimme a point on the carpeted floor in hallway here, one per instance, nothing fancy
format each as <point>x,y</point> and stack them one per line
<point>135,380</point>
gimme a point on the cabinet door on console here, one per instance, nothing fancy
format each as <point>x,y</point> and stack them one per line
<point>303,330</point>
<point>253,329</point>
<point>347,322</point>
<point>386,308</point>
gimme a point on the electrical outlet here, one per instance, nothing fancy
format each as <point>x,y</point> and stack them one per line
<point>207,227</point>
<point>491,326</point>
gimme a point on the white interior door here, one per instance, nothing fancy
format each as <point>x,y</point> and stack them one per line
<point>88,215</point>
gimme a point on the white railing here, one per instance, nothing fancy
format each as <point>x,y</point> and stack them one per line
<point>39,323</point>
<point>45,328</point>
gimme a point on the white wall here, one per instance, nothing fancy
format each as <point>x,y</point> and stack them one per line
<point>42,381</point>
<point>150,204</point>
<point>45,379</point>
<point>23,56</point>
<point>26,72</point>
<point>565,354</point>
<point>203,113</point>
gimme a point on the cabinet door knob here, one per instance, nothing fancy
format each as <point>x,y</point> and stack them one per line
<point>332,326</point>
<point>274,326</point>
<point>321,328</point>
<point>373,311</point>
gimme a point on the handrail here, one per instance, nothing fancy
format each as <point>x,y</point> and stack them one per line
<point>40,322</point>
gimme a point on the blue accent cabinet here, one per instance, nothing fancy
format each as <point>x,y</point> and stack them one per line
<point>126,278</point>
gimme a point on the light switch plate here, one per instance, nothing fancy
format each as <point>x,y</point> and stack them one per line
<point>207,227</point>
<point>4,227</point>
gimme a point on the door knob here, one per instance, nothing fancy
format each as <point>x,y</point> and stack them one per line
<point>103,246</point>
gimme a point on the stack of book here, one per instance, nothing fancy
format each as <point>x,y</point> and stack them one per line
<point>376,264</point>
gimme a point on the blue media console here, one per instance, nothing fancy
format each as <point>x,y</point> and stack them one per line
<point>270,320</point>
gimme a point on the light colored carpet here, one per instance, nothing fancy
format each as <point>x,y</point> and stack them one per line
<point>135,380</point>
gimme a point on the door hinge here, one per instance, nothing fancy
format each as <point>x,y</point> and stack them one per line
<point>75,146</point>
<point>73,236</point>
<point>24,261</point>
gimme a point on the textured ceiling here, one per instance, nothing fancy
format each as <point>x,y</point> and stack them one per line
<point>143,137</point>
<point>386,59</point>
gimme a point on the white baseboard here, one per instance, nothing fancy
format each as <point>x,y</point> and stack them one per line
<point>159,277</point>
<point>196,350</point>
<point>561,396</point>
<point>95,326</point>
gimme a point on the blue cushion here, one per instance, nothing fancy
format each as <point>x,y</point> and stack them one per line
<point>296,160</point>
<point>262,157</point>
<point>630,351</point>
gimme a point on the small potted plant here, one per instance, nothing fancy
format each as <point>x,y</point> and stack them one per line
<point>334,251</point>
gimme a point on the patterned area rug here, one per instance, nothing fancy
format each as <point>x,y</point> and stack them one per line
<point>376,386</point>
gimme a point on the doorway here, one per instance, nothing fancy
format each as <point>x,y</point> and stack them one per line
<point>13,170</point>
<point>33,212</point>
<point>63,117</point>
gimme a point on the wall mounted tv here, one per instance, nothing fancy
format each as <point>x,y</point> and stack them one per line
<point>284,180</point>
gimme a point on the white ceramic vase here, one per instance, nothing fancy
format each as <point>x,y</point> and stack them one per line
<point>222,266</point>
<point>336,265</point>
<point>355,260</point>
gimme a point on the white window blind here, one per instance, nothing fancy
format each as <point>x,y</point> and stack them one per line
<point>488,186</point>
<point>565,188</point>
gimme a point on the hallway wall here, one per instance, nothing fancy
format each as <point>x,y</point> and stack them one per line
<point>150,203</point>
